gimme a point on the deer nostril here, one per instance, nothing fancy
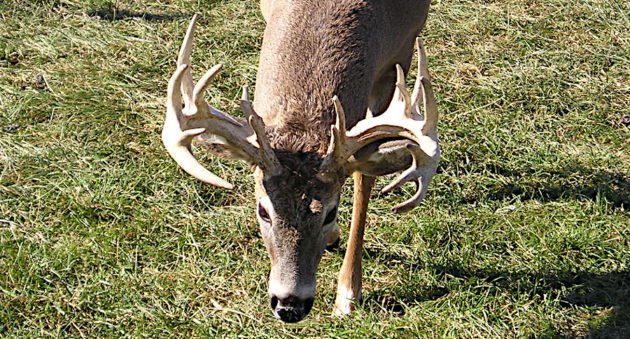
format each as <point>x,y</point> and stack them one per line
<point>273,302</point>
<point>308,305</point>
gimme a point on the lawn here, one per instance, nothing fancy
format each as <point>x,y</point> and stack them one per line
<point>525,231</point>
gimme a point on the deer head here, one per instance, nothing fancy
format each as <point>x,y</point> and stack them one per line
<point>297,194</point>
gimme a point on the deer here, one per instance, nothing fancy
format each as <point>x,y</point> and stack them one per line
<point>330,102</point>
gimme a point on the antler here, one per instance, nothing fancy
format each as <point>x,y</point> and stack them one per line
<point>402,119</point>
<point>197,117</point>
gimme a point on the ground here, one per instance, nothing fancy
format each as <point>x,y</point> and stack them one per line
<point>524,233</point>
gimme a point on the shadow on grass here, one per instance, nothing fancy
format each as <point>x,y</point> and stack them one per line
<point>112,12</point>
<point>396,301</point>
<point>115,14</point>
<point>571,182</point>
<point>609,290</point>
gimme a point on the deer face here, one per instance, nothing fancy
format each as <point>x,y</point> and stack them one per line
<point>297,214</point>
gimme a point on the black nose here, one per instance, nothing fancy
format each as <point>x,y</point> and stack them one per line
<point>291,309</point>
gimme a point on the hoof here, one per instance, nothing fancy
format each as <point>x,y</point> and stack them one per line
<point>345,302</point>
<point>344,307</point>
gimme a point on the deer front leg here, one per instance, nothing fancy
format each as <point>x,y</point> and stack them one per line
<point>349,282</point>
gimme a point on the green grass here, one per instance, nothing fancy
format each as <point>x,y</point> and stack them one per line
<point>525,231</point>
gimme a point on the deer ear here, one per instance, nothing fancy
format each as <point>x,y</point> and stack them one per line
<point>382,158</point>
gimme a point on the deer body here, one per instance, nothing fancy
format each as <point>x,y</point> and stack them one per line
<point>314,50</point>
<point>325,68</point>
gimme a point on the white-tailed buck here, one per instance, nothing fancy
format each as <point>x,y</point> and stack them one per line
<point>330,102</point>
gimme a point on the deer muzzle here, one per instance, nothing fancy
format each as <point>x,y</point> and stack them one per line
<point>291,294</point>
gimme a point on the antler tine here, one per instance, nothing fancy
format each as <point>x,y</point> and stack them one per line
<point>430,107</point>
<point>201,106</point>
<point>338,138</point>
<point>420,158</point>
<point>174,93</point>
<point>184,59</point>
<point>423,68</point>
<point>400,106</point>
<point>340,119</point>
<point>415,96</point>
<point>338,132</point>
<point>424,80</point>
<point>407,175</point>
<point>201,87</point>
<point>247,109</point>
<point>333,154</point>
<point>414,201</point>
<point>269,160</point>
<point>401,88</point>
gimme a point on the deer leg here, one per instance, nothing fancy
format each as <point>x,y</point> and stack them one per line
<point>349,282</point>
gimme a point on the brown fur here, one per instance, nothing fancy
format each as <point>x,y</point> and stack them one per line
<point>297,187</point>
<point>313,50</point>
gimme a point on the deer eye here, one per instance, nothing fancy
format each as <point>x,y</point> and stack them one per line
<point>263,214</point>
<point>330,217</point>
